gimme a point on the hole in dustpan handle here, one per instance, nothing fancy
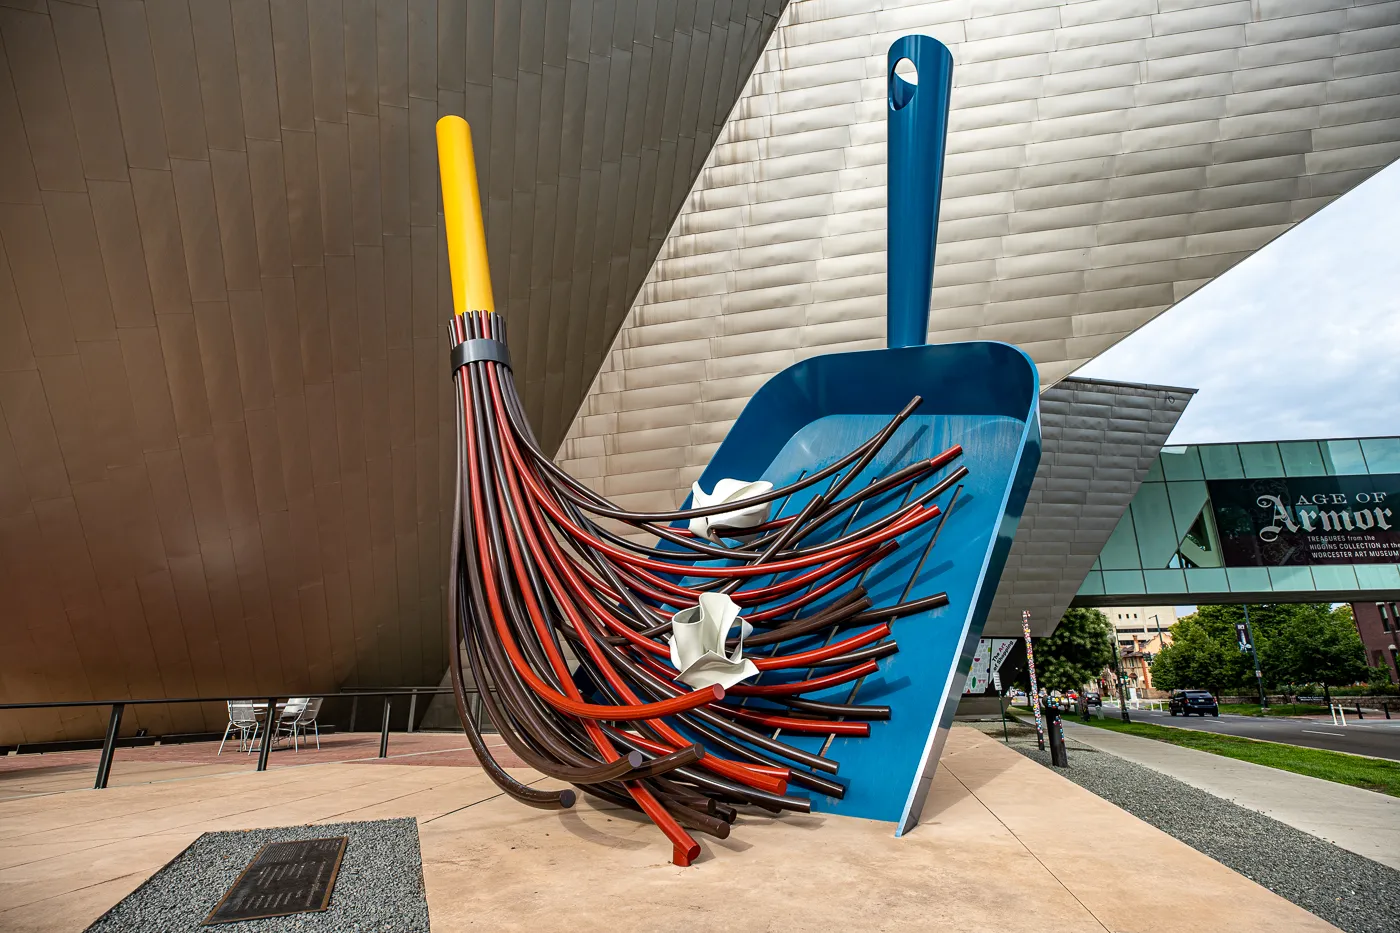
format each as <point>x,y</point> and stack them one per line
<point>918,131</point>
<point>902,88</point>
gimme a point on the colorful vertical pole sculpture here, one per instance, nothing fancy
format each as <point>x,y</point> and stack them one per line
<point>1035,691</point>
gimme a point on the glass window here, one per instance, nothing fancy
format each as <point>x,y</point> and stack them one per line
<point>1343,457</point>
<point>1121,551</point>
<point>1197,544</point>
<point>1181,463</point>
<point>1385,617</point>
<point>1302,458</point>
<point>1382,454</point>
<point>1291,578</point>
<point>1152,519</point>
<point>1334,577</point>
<point>1261,461</point>
<point>1212,580</point>
<point>1221,461</point>
<point>1200,546</point>
<point>1248,579</point>
<point>1123,583</point>
<point>1092,585</point>
<point>1164,581</point>
<point>1378,576</point>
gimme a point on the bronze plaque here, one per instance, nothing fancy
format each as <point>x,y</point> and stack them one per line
<point>283,878</point>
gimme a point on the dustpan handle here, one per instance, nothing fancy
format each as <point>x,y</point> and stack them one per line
<point>918,133</point>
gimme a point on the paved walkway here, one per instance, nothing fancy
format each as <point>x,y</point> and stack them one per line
<point>1361,821</point>
<point>1005,844</point>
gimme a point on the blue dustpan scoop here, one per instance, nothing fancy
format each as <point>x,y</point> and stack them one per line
<point>982,395</point>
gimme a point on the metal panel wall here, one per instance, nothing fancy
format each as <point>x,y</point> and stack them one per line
<point>1106,158</point>
<point>225,452</point>
<point>1099,439</point>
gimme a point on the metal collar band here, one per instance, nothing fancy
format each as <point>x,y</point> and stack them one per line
<point>477,350</point>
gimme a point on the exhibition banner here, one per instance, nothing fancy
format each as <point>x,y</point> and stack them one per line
<point>1308,520</point>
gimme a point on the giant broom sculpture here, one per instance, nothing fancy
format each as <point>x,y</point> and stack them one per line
<point>712,672</point>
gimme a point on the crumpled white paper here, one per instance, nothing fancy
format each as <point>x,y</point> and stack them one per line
<point>698,635</point>
<point>729,490</point>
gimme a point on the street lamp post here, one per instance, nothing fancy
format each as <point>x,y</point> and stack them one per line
<point>1161,643</point>
<point>1254,654</point>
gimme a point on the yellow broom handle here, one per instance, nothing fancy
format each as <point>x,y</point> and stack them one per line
<point>461,209</point>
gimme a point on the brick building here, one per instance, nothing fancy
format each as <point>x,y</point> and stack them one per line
<point>1379,626</point>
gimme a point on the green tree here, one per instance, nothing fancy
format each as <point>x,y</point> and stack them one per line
<point>1210,632</point>
<point>1077,652</point>
<point>1195,659</point>
<point>1320,645</point>
<point>1296,643</point>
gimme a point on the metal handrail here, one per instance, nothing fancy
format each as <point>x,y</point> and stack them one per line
<point>109,742</point>
<point>401,691</point>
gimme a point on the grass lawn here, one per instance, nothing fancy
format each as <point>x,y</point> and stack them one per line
<point>1286,709</point>
<point>1370,773</point>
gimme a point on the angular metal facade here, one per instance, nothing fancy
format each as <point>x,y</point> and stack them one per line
<point>225,451</point>
<point>1106,158</point>
<point>1099,439</point>
<point>224,427</point>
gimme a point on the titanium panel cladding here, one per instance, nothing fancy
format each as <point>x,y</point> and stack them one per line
<point>1098,443</point>
<point>1106,159</point>
<point>225,417</point>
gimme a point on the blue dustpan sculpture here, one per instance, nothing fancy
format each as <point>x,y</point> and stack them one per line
<point>981,395</point>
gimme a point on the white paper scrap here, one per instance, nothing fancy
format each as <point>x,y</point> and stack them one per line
<point>729,490</point>
<point>698,635</point>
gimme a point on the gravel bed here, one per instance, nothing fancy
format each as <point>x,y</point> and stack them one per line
<point>1345,889</point>
<point>379,888</point>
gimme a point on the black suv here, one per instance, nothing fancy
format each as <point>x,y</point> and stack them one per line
<point>1093,699</point>
<point>1186,702</point>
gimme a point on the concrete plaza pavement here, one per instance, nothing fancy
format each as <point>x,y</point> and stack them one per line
<point>1361,821</point>
<point>53,772</point>
<point>1004,844</point>
<point>1374,736</point>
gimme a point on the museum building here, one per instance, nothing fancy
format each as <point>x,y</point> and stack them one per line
<point>226,462</point>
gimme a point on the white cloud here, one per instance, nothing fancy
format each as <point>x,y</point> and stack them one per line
<point>1301,340</point>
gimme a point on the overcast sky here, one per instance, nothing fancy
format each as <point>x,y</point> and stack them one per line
<point>1301,340</point>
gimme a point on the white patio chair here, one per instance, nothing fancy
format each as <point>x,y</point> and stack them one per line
<point>242,715</point>
<point>287,718</point>
<point>307,717</point>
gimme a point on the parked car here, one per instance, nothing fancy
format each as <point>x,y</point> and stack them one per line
<point>1186,702</point>
<point>1093,699</point>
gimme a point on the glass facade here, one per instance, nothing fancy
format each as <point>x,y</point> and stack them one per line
<point>1287,520</point>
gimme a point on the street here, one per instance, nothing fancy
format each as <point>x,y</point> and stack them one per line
<point>1379,738</point>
